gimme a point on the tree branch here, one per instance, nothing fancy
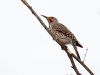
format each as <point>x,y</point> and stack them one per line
<point>85,55</point>
<point>72,61</point>
<point>70,55</point>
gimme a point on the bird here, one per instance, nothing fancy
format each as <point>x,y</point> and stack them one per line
<point>62,34</point>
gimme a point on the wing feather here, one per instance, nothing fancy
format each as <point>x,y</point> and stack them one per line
<point>64,30</point>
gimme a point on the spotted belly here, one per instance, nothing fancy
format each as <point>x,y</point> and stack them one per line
<point>61,38</point>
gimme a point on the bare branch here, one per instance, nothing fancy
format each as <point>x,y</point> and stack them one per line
<point>82,63</point>
<point>72,61</point>
<point>85,55</point>
<point>70,55</point>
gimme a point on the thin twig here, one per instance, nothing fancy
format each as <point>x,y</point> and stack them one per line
<point>85,55</point>
<point>70,55</point>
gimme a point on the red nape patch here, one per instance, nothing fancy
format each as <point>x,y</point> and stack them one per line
<point>50,20</point>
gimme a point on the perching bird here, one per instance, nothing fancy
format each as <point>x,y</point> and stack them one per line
<point>62,33</point>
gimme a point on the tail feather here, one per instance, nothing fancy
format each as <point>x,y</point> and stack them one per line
<point>75,48</point>
<point>79,45</point>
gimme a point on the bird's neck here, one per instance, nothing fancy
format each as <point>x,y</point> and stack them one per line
<point>51,23</point>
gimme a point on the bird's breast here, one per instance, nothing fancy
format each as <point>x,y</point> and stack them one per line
<point>60,37</point>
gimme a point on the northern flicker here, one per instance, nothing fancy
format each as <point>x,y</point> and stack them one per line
<point>62,33</point>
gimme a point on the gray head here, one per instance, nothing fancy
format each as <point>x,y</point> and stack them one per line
<point>51,19</point>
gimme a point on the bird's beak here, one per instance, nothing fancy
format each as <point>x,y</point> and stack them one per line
<point>45,16</point>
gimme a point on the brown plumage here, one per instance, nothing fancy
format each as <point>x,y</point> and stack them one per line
<point>62,34</point>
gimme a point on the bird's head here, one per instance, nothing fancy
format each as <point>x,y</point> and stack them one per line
<point>51,19</point>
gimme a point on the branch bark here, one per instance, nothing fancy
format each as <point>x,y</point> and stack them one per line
<point>70,54</point>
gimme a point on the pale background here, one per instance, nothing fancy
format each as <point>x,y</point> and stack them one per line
<point>27,49</point>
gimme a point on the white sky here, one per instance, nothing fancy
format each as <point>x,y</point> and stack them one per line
<point>27,49</point>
